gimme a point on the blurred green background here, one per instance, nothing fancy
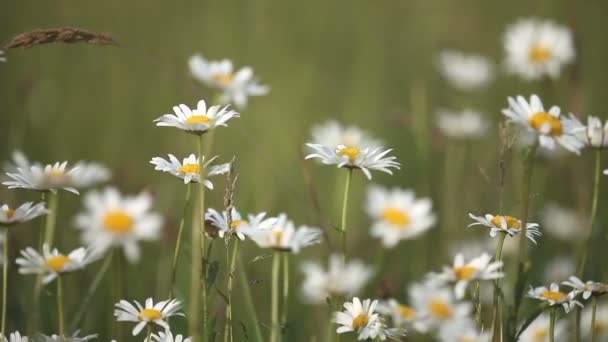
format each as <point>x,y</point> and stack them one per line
<point>365,63</point>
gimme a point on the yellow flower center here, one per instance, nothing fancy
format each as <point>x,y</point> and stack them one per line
<point>552,295</point>
<point>194,119</point>
<point>9,213</point>
<point>55,173</point>
<point>351,152</point>
<point>540,119</point>
<point>539,54</point>
<point>277,235</point>
<point>512,222</point>
<point>440,309</point>
<point>405,311</point>
<point>464,272</point>
<point>540,334</point>
<point>360,321</point>
<point>57,262</point>
<point>118,222</point>
<point>236,223</point>
<point>149,314</point>
<point>189,168</point>
<point>223,79</point>
<point>396,217</point>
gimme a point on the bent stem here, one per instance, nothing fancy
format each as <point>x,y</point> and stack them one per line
<point>178,240</point>
<point>552,324</point>
<point>4,277</point>
<point>349,176</point>
<point>496,326</point>
<point>228,336</point>
<point>274,299</point>
<point>60,307</point>
<point>249,301</point>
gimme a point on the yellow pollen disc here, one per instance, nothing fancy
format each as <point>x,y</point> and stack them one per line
<point>224,79</point>
<point>55,173</point>
<point>189,168</point>
<point>552,295</point>
<point>56,263</point>
<point>149,314</point>
<point>118,222</point>
<point>539,54</point>
<point>194,119</point>
<point>277,234</point>
<point>236,223</point>
<point>512,222</point>
<point>540,334</point>
<point>464,272</point>
<point>540,119</point>
<point>9,213</point>
<point>360,321</point>
<point>396,217</point>
<point>440,309</point>
<point>351,152</point>
<point>405,311</point>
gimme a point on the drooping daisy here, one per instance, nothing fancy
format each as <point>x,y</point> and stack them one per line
<point>25,212</point>
<point>14,337</point>
<point>462,274</point>
<point>538,330</point>
<point>561,222</point>
<point>111,219</point>
<point>359,317</point>
<point>466,124</point>
<point>167,336</point>
<point>397,214</point>
<point>538,48</point>
<point>238,223</point>
<point>52,263</point>
<point>283,235</point>
<point>462,331</point>
<point>506,224</point>
<point>553,296</point>
<point>466,72</point>
<point>148,313</point>
<point>197,121</point>
<point>236,86</point>
<point>587,288</point>
<point>339,279</point>
<point>601,322</point>
<point>332,133</point>
<point>436,305</point>
<point>595,134</point>
<point>549,126</point>
<point>366,159</point>
<point>189,169</point>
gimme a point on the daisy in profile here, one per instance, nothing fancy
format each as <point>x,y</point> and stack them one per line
<point>113,220</point>
<point>51,263</point>
<point>148,313</point>
<point>587,288</point>
<point>236,86</point>
<point>538,330</point>
<point>397,214</point>
<point>461,274</point>
<point>361,318</point>
<point>197,121</point>
<point>51,177</point>
<point>14,337</point>
<point>339,279</point>
<point>436,305</point>
<point>553,296</point>
<point>401,315</point>
<point>332,133</point>
<point>601,322</point>
<point>238,223</point>
<point>74,338</point>
<point>561,222</point>
<point>365,158</point>
<point>505,224</point>
<point>595,133</point>
<point>465,72</point>
<point>23,213</point>
<point>549,126</point>
<point>465,124</point>
<point>167,336</point>
<point>284,236</point>
<point>189,169</point>
<point>462,331</point>
<point>538,48</point>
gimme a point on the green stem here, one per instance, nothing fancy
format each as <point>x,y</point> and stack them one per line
<point>496,326</point>
<point>594,201</point>
<point>552,324</point>
<point>285,288</point>
<point>60,307</point>
<point>349,176</point>
<point>51,219</point>
<point>228,336</point>
<point>178,240</point>
<point>4,277</point>
<point>593,311</point>
<point>149,333</point>
<point>274,299</point>
<point>249,301</point>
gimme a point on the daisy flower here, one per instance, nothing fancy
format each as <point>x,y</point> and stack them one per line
<point>332,133</point>
<point>595,134</point>
<point>553,296</point>
<point>463,331</point>
<point>51,177</point>
<point>436,305</point>
<point>113,220</point>
<point>401,314</point>
<point>601,323</point>
<point>538,330</point>
<point>465,72</point>
<point>167,336</point>
<point>283,235</point>
<point>197,121</point>
<point>538,48</point>
<point>189,169</point>
<point>148,313</point>
<point>25,212</point>
<point>462,274</point>
<point>73,338</point>
<point>461,125</point>
<point>505,224</point>
<point>51,263</point>
<point>14,337</point>
<point>562,223</point>
<point>339,279</point>
<point>236,86</point>
<point>366,159</point>
<point>398,214</point>
<point>587,288</point>
<point>359,317</point>
<point>549,126</point>
<point>238,223</point>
